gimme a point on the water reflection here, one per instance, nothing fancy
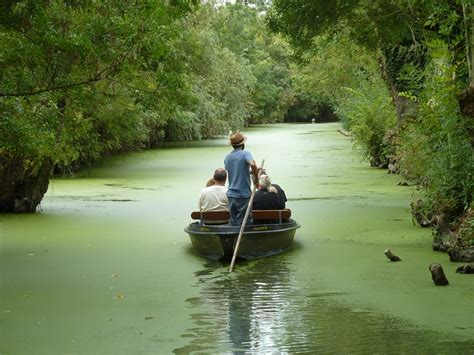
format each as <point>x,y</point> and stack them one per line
<point>243,311</point>
<point>265,307</point>
<point>256,313</point>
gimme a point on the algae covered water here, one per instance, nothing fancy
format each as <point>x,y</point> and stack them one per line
<point>106,267</point>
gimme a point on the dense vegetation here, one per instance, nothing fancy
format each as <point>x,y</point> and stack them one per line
<point>81,80</point>
<point>400,75</point>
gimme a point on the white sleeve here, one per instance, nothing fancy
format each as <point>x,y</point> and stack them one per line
<point>201,198</point>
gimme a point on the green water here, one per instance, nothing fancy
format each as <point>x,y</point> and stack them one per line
<point>106,267</point>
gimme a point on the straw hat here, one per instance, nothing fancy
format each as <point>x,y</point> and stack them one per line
<point>237,139</point>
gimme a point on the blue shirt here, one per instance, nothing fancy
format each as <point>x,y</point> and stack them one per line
<point>237,166</point>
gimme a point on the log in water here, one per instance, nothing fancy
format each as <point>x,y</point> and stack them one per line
<point>391,256</point>
<point>437,274</point>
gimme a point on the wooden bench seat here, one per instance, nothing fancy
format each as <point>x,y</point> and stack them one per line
<point>276,215</point>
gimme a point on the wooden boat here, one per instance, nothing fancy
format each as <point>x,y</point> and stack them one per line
<point>272,232</point>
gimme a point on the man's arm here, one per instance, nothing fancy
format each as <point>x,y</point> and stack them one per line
<point>254,169</point>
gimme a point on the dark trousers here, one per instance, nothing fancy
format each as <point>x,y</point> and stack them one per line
<point>237,208</point>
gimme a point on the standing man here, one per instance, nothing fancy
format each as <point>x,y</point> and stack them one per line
<point>239,163</point>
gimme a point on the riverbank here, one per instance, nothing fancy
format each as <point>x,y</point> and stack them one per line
<point>107,268</point>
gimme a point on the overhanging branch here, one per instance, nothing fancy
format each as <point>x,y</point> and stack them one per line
<point>102,75</point>
<point>60,87</point>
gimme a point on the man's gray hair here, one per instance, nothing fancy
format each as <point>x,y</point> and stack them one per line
<point>265,182</point>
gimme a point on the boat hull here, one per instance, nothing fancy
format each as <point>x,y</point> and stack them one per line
<point>260,240</point>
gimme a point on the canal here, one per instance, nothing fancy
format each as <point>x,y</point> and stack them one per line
<point>106,268</point>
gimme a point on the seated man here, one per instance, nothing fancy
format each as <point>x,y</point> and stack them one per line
<point>214,197</point>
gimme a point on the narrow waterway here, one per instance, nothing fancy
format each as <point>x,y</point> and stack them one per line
<point>106,267</point>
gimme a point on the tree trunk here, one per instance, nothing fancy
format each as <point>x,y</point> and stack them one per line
<point>471,81</point>
<point>466,99</point>
<point>403,106</point>
<point>22,187</point>
<point>468,42</point>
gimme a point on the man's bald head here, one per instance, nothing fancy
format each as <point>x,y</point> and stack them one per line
<point>220,176</point>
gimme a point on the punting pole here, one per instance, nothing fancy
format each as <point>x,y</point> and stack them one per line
<point>244,222</point>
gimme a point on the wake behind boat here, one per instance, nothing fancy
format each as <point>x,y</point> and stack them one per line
<point>272,233</point>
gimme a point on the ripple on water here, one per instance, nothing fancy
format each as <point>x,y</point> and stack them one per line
<point>264,307</point>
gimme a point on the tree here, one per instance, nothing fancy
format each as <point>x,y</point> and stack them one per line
<point>399,28</point>
<point>424,51</point>
<point>67,91</point>
<point>242,30</point>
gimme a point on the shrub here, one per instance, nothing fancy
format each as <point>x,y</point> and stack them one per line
<point>434,149</point>
<point>368,112</point>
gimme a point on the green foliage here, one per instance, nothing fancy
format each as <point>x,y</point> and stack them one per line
<point>304,107</point>
<point>71,88</point>
<point>217,82</point>
<point>400,28</point>
<point>367,111</point>
<point>26,132</point>
<point>235,73</point>
<point>369,22</point>
<point>303,20</point>
<point>243,31</point>
<point>334,62</point>
<point>80,80</point>
<point>466,228</point>
<point>340,74</point>
<point>405,64</point>
<point>273,93</point>
<point>435,150</point>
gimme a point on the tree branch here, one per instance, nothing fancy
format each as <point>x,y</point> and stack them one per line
<point>134,87</point>
<point>103,74</point>
<point>60,87</point>
<point>471,82</point>
<point>468,44</point>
